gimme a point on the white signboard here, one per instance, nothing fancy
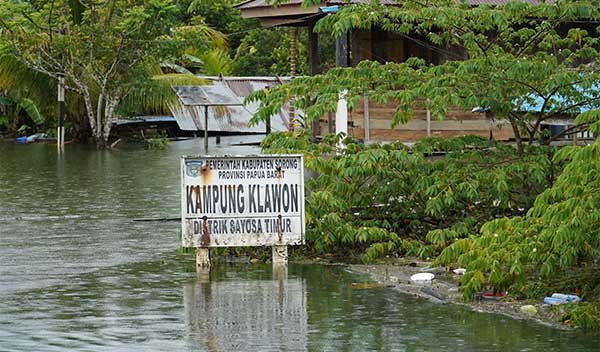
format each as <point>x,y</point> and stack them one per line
<point>242,201</point>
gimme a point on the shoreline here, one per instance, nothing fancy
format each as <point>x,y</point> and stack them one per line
<point>444,290</point>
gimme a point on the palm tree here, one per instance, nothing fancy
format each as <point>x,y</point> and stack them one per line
<point>204,53</point>
<point>22,93</point>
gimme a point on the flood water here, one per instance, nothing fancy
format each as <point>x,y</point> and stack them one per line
<point>78,274</point>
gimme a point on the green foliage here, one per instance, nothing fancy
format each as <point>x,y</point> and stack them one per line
<point>560,232</point>
<point>158,143</point>
<point>20,112</point>
<point>3,122</point>
<point>31,109</point>
<point>221,15</point>
<point>23,129</point>
<point>101,48</point>
<point>266,52</point>
<point>582,315</point>
<point>527,62</point>
<point>392,198</point>
<point>155,96</point>
<point>216,62</point>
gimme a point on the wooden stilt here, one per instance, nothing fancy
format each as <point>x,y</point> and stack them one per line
<point>280,255</point>
<point>202,258</point>
<point>280,260</point>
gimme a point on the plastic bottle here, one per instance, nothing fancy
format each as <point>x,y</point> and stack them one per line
<point>566,298</point>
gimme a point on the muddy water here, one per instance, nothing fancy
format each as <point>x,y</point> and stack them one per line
<point>76,273</point>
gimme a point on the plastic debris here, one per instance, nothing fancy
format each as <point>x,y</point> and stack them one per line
<point>529,309</point>
<point>561,298</point>
<point>460,271</point>
<point>492,296</point>
<point>568,298</point>
<point>553,301</point>
<point>422,278</point>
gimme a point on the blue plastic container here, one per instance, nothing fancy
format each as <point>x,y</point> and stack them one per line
<point>21,139</point>
<point>568,298</point>
<point>555,301</point>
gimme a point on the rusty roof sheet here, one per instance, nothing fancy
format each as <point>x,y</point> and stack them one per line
<point>189,110</point>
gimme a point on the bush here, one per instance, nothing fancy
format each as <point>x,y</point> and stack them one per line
<point>561,231</point>
<point>389,198</point>
<point>582,315</point>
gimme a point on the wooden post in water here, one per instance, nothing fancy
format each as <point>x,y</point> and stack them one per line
<point>280,255</point>
<point>202,259</point>
<point>280,260</point>
<point>60,130</point>
<point>206,129</point>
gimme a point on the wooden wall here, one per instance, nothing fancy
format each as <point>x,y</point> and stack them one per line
<point>382,46</point>
<point>456,123</point>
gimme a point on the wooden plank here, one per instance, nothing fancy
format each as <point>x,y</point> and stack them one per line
<point>414,135</point>
<point>395,47</point>
<point>361,46</point>
<point>417,125</point>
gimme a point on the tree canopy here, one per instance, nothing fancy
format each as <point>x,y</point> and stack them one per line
<point>527,63</point>
<point>100,49</point>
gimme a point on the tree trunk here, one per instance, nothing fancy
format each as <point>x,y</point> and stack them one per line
<point>99,115</point>
<point>89,109</point>
<point>102,117</point>
<point>109,111</point>
<point>515,127</point>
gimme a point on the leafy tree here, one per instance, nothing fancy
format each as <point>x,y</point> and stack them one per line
<point>221,16</point>
<point>19,83</point>
<point>265,52</point>
<point>392,198</point>
<point>100,48</point>
<point>15,107</point>
<point>559,234</point>
<point>23,92</point>
<point>528,63</point>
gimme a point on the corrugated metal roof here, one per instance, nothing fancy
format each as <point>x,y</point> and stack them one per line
<point>269,3</point>
<point>190,114</point>
<point>214,95</point>
<point>144,119</point>
<point>264,3</point>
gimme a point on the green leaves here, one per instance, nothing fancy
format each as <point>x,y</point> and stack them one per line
<point>365,195</point>
<point>560,232</point>
<point>31,109</point>
<point>526,71</point>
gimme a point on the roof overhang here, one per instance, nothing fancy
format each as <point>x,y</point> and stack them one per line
<point>289,11</point>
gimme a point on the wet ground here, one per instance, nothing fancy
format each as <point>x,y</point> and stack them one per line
<point>77,273</point>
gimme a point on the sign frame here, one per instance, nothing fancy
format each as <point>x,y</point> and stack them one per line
<point>190,237</point>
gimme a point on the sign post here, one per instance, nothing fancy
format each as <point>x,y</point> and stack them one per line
<point>241,201</point>
<point>60,129</point>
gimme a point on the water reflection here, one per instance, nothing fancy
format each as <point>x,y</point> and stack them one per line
<point>76,274</point>
<point>246,314</point>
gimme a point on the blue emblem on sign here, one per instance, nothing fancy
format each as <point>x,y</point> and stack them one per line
<point>192,168</point>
